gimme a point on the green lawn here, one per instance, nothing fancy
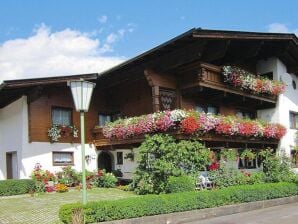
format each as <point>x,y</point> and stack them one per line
<point>44,208</point>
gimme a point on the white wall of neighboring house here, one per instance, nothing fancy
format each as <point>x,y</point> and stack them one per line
<point>288,101</point>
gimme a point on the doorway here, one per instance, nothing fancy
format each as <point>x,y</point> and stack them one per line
<point>11,165</point>
<point>105,161</point>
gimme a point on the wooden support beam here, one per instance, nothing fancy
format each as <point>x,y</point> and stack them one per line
<point>155,98</point>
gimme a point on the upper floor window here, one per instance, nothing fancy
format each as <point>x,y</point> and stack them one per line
<point>207,109</point>
<point>104,119</point>
<point>294,120</point>
<point>245,114</point>
<point>62,116</point>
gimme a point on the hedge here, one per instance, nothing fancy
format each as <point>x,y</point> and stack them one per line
<point>15,187</point>
<point>147,205</point>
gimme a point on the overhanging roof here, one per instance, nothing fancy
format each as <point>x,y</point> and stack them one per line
<point>212,46</point>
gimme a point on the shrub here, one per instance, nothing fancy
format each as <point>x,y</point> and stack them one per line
<point>276,168</point>
<point>228,176</point>
<point>15,187</point>
<point>69,176</point>
<point>40,187</point>
<point>104,179</point>
<point>147,205</point>
<point>161,156</point>
<point>180,184</point>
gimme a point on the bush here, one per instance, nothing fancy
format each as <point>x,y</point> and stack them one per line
<point>229,176</point>
<point>277,168</point>
<point>104,179</point>
<point>15,187</point>
<point>180,184</point>
<point>161,156</point>
<point>147,205</point>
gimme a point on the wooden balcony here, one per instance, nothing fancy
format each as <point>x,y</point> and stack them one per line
<point>209,76</point>
<point>211,140</point>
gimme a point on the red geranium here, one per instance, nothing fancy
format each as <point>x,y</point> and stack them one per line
<point>214,166</point>
<point>190,125</point>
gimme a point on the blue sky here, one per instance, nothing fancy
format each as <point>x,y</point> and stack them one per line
<point>118,30</point>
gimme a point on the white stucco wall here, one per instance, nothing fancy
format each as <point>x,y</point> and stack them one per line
<point>288,101</point>
<point>14,137</point>
<point>11,132</point>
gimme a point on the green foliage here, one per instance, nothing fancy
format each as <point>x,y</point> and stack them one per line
<point>276,168</point>
<point>160,156</point>
<point>228,176</point>
<point>15,187</point>
<point>148,205</point>
<point>247,153</point>
<point>69,176</point>
<point>40,187</point>
<point>107,180</point>
<point>181,184</point>
<point>229,154</point>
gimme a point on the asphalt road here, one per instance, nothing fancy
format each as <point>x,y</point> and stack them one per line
<point>287,214</point>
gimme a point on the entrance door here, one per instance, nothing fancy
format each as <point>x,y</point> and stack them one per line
<point>11,165</point>
<point>105,161</point>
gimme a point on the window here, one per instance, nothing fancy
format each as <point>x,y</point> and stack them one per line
<point>247,163</point>
<point>294,158</point>
<point>61,116</point>
<point>63,158</point>
<point>119,158</point>
<point>245,114</point>
<point>104,118</point>
<point>293,120</point>
<point>207,109</point>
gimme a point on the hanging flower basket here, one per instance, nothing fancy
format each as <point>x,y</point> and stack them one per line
<point>58,131</point>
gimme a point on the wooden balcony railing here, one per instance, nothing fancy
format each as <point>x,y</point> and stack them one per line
<point>210,76</point>
<point>101,142</point>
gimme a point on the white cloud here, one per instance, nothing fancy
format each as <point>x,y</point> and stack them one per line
<point>48,53</point>
<point>102,19</point>
<point>281,28</point>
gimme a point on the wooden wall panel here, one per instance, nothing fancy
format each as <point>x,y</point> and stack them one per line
<point>130,100</point>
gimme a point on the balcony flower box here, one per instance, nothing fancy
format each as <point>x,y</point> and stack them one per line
<point>192,123</point>
<point>246,81</point>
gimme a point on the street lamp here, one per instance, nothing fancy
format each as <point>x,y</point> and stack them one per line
<point>81,92</point>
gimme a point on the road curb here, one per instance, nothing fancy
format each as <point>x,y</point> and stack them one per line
<point>196,215</point>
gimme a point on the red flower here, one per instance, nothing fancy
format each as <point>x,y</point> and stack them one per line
<point>213,166</point>
<point>190,125</point>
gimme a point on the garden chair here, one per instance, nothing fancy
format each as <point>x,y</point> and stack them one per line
<point>204,182</point>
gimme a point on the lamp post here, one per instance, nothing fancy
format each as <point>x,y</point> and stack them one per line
<point>81,92</point>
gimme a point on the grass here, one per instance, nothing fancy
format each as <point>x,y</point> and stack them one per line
<point>44,208</point>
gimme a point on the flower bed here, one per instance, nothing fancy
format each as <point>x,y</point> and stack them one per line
<point>244,80</point>
<point>191,123</point>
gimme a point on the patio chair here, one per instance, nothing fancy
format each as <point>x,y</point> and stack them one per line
<point>204,182</point>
